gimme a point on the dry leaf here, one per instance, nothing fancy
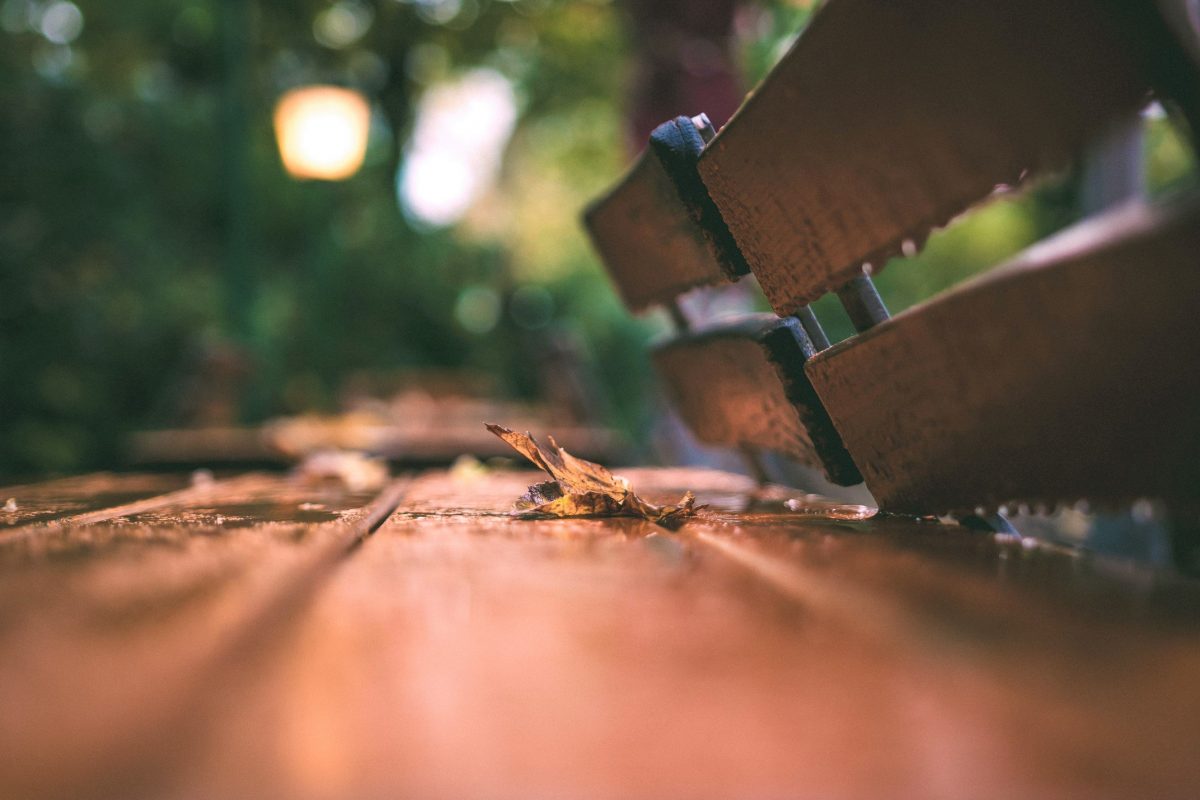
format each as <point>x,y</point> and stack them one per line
<point>582,489</point>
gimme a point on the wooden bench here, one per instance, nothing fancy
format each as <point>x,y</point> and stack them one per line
<point>743,383</point>
<point>656,245</point>
<point>262,636</point>
<point>1069,373</point>
<point>268,635</point>
<point>737,383</point>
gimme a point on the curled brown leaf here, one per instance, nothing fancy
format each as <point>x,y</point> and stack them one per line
<point>582,488</point>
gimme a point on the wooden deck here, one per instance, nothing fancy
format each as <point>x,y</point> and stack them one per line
<point>257,637</point>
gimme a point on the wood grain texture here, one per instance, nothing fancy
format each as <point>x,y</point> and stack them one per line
<point>108,506</point>
<point>650,245</point>
<point>1072,372</point>
<point>111,630</point>
<point>890,117</point>
<point>756,653</point>
<point>42,503</point>
<point>743,384</point>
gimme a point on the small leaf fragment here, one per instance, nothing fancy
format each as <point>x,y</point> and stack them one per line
<point>587,504</point>
<point>539,494</point>
<point>582,488</point>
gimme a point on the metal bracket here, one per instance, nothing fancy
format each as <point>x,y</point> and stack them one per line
<point>677,146</point>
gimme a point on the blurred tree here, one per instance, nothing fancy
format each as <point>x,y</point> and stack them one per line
<point>114,309</point>
<point>683,62</point>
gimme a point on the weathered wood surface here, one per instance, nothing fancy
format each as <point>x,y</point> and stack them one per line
<point>890,117</point>
<point>53,500</point>
<point>112,630</point>
<point>650,245</point>
<point>1071,373</point>
<point>742,384</point>
<point>461,652</point>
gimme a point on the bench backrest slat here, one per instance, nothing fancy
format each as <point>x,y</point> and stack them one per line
<point>890,117</point>
<point>654,251</point>
<point>1072,372</point>
<point>742,384</point>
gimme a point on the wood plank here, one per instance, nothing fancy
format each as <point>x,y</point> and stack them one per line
<point>52,500</point>
<point>650,245</point>
<point>742,384</point>
<point>462,653</point>
<point>197,492</point>
<point>111,630</point>
<point>887,119</point>
<point>1072,372</point>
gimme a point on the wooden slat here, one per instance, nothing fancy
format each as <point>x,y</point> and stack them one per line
<point>890,117</point>
<point>51,500</point>
<point>110,630</point>
<point>651,247</point>
<point>462,653</point>
<point>200,492</point>
<point>1073,372</point>
<point>742,384</point>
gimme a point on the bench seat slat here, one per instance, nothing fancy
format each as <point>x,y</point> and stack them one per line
<point>1069,373</point>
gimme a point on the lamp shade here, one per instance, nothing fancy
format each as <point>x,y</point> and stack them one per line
<point>322,131</point>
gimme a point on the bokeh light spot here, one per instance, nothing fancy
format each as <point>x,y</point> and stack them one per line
<point>62,22</point>
<point>322,131</point>
<point>455,152</point>
<point>478,309</point>
<point>342,24</point>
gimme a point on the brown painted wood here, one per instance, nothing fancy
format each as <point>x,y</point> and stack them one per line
<point>890,117</point>
<point>1072,372</point>
<point>113,628</point>
<point>651,247</point>
<point>742,384</point>
<point>761,653</point>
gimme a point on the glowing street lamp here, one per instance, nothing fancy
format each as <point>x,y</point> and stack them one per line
<point>322,131</point>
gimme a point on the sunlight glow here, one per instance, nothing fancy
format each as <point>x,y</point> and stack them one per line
<point>454,155</point>
<point>322,131</point>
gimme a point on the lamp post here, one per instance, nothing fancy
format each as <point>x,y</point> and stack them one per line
<point>236,18</point>
<point>322,134</point>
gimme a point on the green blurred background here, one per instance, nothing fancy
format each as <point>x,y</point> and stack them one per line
<point>153,250</point>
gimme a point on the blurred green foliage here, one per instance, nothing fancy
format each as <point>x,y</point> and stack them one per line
<point>113,215</point>
<point>114,211</point>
